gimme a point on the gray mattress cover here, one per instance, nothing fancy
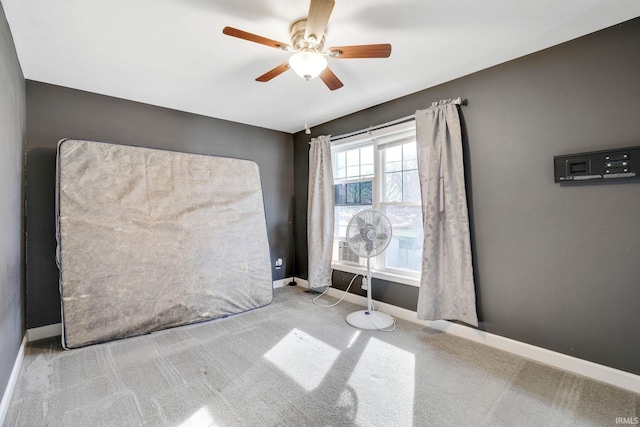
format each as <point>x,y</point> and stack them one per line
<point>149,239</point>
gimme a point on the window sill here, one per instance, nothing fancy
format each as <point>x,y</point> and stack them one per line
<point>377,274</point>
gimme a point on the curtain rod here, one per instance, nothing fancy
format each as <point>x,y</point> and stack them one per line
<point>382,126</point>
<point>370,128</point>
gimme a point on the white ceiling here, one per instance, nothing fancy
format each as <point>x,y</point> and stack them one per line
<point>172,53</point>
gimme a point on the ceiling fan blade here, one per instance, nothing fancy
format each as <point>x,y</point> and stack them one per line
<point>273,73</point>
<point>330,79</point>
<point>360,51</point>
<point>319,13</point>
<point>234,32</point>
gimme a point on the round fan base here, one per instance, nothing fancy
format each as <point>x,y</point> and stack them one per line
<point>370,320</point>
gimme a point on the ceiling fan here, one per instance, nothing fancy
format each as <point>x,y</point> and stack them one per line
<point>307,40</point>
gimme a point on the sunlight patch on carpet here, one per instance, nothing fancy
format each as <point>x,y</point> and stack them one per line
<point>384,383</point>
<point>303,358</point>
<point>353,340</point>
<point>201,418</point>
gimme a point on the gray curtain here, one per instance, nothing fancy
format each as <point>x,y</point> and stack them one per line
<point>447,289</point>
<point>320,212</point>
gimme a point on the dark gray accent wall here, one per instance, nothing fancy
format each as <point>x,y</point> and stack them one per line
<point>12,136</point>
<point>556,266</point>
<point>54,113</point>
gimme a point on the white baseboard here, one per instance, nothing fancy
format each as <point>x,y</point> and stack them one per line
<point>605,374</point>
<point>285,282</point>
<point>13,380</point>
<point>48,331</point>
<point>279,283</point>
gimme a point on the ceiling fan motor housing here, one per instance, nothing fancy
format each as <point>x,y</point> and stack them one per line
<point>300,42</point>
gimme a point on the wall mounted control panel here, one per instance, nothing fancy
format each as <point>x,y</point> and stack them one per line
<point>623,163</point>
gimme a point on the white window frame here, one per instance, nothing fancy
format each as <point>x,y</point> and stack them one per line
<point>380,139</point>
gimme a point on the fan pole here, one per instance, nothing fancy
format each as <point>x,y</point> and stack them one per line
<point>370,319</point>
<point>369,302</point>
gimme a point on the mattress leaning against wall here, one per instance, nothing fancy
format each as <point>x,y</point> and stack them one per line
<point>150,239</point>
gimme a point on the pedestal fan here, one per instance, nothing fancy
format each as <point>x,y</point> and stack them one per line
<point>368,235</point>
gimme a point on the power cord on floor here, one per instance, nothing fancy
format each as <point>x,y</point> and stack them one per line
<point>373,306</point>
<point>389,329</point>
<point>341,299</point>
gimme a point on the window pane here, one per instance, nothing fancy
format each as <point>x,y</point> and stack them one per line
<point>366,193</point>
<point>393,159</point>
<point>343,215</point>
<point>353,163</point>
<point>405,249</point>
<point>409,156</point>
<point>353,193</point>
<point>353,171</point>
<point>393,187</point>
<point>366,170</point>
<point>340,195</point>
<point>401,181</point>
<point>353,156</point>
<point>366,160</point>
<point>410,186</point>
<point>340,165</point>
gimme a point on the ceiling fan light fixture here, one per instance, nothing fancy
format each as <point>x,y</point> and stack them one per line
<point>308,40</point>
<point>308,65</point>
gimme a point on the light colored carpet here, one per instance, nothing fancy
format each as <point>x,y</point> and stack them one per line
<point>295,364</point>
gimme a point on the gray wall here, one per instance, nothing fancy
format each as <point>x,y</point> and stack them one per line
<point>555,266</point>
<point>55,112</point>
<point>12,135</point>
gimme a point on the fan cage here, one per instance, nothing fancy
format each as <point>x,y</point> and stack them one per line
<point>368,233</point>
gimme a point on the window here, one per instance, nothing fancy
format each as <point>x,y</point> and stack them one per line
<point>379,170</point>
<point>353,172</point>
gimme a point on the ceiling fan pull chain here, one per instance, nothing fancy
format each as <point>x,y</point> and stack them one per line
<point>307,129</point>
